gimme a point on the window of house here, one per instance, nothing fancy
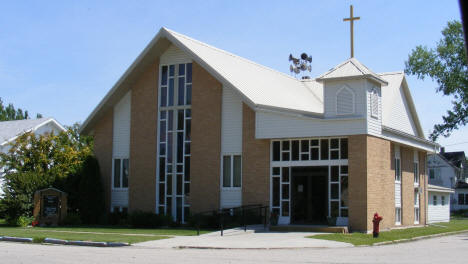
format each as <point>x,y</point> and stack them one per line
<point>416,172</point>
<point>397,170</point>
<point>461,199</point>
<point>121,171</point>
<point>431,174</point>
<point>442,200</point>
<point>374,99</point>
<point>397,215</point>
<point>232,171</point>
<point>434,200</point>
<point>466,199</point>
<point>344,101</point>
<point>416,215</point>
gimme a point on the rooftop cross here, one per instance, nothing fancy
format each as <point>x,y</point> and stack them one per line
<point>351,25</point>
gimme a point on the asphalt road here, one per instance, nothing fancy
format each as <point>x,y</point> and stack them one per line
<point>449,249</point>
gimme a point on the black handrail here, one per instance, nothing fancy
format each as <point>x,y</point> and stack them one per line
<point>223,213</point>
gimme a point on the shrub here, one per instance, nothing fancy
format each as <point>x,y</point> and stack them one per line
<point>72,219</point>
<point>140,219</point>
<point>20,221</point>
<point>117,218</point>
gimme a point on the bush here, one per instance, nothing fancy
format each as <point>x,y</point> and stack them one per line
<point>20,221</point>
<point>140,219</point>
<point>117,218</point>
<point>72,219</point>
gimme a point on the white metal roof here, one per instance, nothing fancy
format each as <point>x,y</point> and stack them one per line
<point>398,110</point>
<point>262,86</point>
<point>441,189</point>
<point>351,68</point>
<point>11,129</point>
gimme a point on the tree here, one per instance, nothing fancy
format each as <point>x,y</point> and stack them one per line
<point>35,162</point>
<point>447,65</point>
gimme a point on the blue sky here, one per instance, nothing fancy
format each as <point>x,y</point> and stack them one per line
<point>59,58</point>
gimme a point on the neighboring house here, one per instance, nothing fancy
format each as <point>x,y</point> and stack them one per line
<point>438,203</point>
<point>190,128</point>
<point>461,197</point>
<point>10,130</point>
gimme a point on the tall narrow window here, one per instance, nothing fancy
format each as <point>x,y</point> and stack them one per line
<point>416,173</point>
<point>121,173</point>
<point>398,216</point>
<point>116,173</point>
<point>232,171</point>
<point>397,170</point>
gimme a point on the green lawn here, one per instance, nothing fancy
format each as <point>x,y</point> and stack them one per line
<point>100,234</point>
<point>397,234</point>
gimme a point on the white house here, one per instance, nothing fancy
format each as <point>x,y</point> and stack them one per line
<point>438,203</point>
<point>11,130</point>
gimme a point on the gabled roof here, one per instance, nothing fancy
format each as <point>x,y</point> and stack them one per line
<point>351,68</point>
<point>259,86</point>
<point>456,158</point>
<point>398,109</point>
<point>9,130</point>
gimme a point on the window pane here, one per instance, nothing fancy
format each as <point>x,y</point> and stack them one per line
<point>169,184</point>
<point>179,184</point>
<point>334,143</point>
<point>227,171</point>
<point>181,69</point>
<point>189,72</point>
<point>116,173</point>
<point>285,208</point>
<point>276,151</point>
<point>162,149</point>
<point>163,96</point>
<point>285,144</point>
<point>334,155</point>
<point>344,169</point>
<point>180,91</point>
<point>344,212</point>
<point>276,191</point>
<point>188,99</point>
<point>466,199</point>
<point>188,129</point>
<point>180,120</point>
<point>334,191</point>
<point>187,169</point>
<point>171,92</point>
<point>188,112</point>
<point>295,150</point>
<point>162,131</point>
<point>187,189</point>
<point>334,173</point>
<point>344,191</point>
<point>276,171</point>
<point>162,190</point>
<point>179,209</point>
<point>324,149</point>
<point>171,70</point>
<point>285,175</point>
<point>162,169</point>
<point>304,145</point>
<point>169,148</point>
<point>187,148</point>
<point>169,206</point>
<point>164,75</point>
<point>170,120</point>
<point>237,171</point>
<point>461,199</point>
<point>125,173</point>
<point>334,209</point>
<point>314,154</point>
<point>344,148</point>
<point>314,142</point>
<point>163,115</point>
<point>285,191</point>
<point>285,156</point>
<point>180,147</point>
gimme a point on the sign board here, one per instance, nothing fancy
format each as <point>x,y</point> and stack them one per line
<point>51,205</point>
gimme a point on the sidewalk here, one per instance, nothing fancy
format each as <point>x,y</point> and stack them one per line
<point>254,238</point>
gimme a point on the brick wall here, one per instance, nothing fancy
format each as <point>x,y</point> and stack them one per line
<point>143,140</point>
<point>206,140</point>
<point>357,181</point>
<point>103,150</point>
<point>255,162</point>
<point>407,186</point>
<point>380,182</point>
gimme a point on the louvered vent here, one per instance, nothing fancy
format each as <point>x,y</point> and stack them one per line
<point>345,101</point>
<point>374,103</point>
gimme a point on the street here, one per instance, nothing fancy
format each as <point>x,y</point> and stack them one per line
<point>448,249</point>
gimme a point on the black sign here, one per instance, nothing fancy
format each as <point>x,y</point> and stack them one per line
<point>50,204</point>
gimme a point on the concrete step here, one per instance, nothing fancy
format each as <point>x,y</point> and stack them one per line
<point>310,228</point>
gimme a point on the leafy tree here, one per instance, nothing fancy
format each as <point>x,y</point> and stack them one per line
<point>447,65</point>
<point>35,162</point>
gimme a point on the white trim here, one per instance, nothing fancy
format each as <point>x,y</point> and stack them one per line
<point>231,155</point>
<point>57,124</point>
<point>121,158</point>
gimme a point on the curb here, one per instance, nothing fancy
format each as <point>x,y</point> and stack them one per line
<point>17,239</point>
<point>66,242</point>
<point>416,238</point>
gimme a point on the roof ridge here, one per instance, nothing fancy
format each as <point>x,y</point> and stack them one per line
<point>230,54</point>
<point>391,73</point>
<point>352,60</point>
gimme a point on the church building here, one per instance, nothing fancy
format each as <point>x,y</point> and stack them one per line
<point>190,128</point>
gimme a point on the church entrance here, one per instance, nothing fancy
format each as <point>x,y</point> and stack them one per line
<point>309,195</point>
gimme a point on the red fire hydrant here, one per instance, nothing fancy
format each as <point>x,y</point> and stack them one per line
<point>376,222</point>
